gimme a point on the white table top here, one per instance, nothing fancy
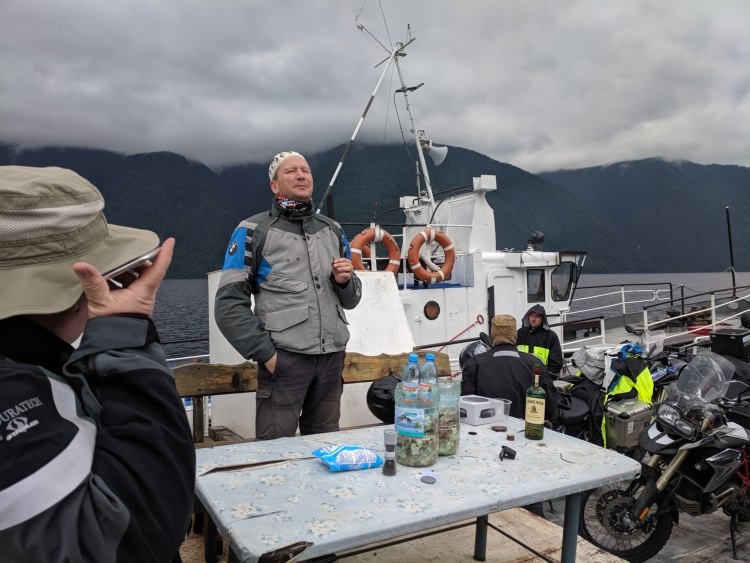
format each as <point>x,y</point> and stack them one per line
<point>288,496</point>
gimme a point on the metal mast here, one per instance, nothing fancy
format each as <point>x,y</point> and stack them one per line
<point>422,163</point>
<point>397,51</point>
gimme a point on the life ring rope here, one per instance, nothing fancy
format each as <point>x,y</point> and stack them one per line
<point>420,272</point>
<point>360,248</point>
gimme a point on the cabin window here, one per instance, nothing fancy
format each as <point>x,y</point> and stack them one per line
<point>535,286</point>
<point>562,281</point>
<point>432,310</point>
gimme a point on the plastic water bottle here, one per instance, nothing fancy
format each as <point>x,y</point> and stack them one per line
<point>416,417</point>
<point>428,370</point>
<point>411,372</point>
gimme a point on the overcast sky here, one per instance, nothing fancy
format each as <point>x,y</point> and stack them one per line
<point>539,84</point>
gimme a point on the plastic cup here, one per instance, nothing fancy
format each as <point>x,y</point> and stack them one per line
<point>503,410</point>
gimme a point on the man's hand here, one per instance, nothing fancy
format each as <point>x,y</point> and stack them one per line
<point>138,297</point>
<point>271,364</point>
<point>342,268</point>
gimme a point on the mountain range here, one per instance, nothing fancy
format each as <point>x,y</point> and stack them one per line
<point>650,215</point>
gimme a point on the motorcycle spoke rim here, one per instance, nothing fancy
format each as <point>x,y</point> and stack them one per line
<point>605,527</point>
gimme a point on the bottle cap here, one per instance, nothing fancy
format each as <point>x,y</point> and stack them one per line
<point>429,356</point>
<point>413,357</point>
<point>389,436</point>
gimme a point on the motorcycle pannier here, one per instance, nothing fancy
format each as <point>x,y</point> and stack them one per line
<point>733,342</point>
<point>624,421</point>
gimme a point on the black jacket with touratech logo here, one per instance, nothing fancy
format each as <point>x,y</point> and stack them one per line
<point>97,462</point>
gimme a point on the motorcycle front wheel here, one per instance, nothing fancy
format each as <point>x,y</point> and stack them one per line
<point>606,522</point>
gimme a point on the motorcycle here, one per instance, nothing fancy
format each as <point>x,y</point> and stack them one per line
<point>696,461</point>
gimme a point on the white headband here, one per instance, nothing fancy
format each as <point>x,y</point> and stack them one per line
<point>278,159</point>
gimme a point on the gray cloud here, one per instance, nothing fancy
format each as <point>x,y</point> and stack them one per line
<point>539,84</point>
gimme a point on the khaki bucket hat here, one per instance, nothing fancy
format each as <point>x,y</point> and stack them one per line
<point>51,218</point>
<point>503,329</point>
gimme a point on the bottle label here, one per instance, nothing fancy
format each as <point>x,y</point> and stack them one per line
<point>534,411</point>
<point>410,421</point>
<point>390,454</point>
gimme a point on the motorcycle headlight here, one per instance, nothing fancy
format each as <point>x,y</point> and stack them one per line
<point>671,419</point>
<point>684,429</point>
<point>668,414</point>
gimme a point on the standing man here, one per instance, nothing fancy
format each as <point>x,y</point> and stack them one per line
<point>535,337</point>
<point>295,265</point>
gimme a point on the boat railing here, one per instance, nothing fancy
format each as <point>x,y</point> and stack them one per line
<point>396,230</point>
<point>689,317</point>
<point>593,329</point>
<point>715,297</point>
<point>174,362</point>
<point>622,298</point>
<point>706,306</point>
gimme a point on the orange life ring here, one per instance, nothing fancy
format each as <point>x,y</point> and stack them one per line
<point>419,271</point>
<point>360,247</point>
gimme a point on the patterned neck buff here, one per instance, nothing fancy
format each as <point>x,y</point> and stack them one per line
<point>292,205</point>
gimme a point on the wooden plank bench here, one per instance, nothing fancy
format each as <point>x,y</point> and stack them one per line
<point>198,380</point>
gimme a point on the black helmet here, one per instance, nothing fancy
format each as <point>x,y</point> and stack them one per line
<point>745,319</point>
<point>471,350</point>
<point>380,398</point>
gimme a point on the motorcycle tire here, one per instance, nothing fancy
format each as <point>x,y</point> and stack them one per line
<point>602,522</point>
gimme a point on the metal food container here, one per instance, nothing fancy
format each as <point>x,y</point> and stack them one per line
<point>624,421</point>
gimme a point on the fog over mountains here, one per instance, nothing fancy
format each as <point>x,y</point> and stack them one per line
<point>648,215</point>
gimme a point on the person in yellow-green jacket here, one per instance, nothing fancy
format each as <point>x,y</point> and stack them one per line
<point>535,337</point>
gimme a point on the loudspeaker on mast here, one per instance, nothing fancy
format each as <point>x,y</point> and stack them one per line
<point>437,154</point>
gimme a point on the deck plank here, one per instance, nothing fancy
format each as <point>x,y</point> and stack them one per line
<point>458,545</point>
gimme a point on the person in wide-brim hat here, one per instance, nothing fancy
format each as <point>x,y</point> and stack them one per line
<point>51,218</point>
<point>91,423</point>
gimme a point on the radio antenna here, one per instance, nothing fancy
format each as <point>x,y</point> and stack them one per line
<point>396,52</point>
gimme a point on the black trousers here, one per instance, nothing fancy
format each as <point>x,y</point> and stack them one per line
<point>305,391</point>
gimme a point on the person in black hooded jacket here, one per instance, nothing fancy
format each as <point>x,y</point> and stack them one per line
<point>535,337</point>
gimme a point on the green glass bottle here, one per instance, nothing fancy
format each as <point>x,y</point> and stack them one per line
<point>534,418</point>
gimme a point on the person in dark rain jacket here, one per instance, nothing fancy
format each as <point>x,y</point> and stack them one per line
<point>535,337</point>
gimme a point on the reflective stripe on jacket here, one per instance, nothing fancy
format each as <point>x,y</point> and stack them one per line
<point>538,351</point>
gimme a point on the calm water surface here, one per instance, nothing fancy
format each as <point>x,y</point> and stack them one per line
<point>182,305</point>
<point>181,314</point>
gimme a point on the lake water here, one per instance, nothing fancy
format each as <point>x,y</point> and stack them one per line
<point>182,305</point>
<point>181,315</point>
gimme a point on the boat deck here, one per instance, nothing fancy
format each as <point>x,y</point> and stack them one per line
<point>523,537</point>
<point>695,540</point>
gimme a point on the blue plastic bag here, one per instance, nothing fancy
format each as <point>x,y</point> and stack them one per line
<point>347,458</point>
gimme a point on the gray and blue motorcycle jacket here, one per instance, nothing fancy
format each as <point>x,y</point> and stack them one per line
<point>280,262</point>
